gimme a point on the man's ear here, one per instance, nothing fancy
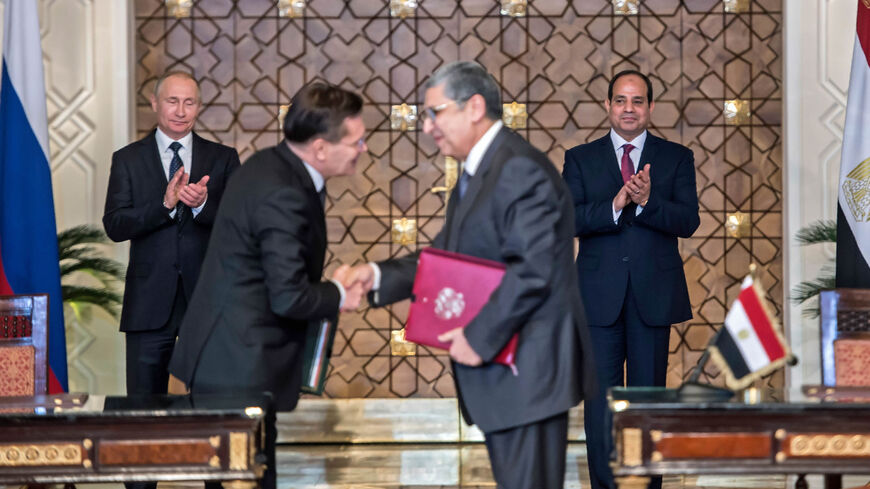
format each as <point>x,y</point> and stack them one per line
<point>478,107</point>
<point>153,102</point>
<point>318,147</point>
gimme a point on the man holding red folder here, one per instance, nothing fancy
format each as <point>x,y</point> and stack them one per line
<point>510,206</point>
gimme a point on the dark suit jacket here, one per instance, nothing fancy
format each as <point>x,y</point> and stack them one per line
<point>260,286</point>
<point>641,248</point>
<point>517,211</point>
<point>158,246</point>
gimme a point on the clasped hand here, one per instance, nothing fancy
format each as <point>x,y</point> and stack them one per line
<point>192,195</point>
<point>636,190</point>
<point>359,280</point>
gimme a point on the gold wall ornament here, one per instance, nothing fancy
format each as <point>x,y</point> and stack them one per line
<point>238,451</point>
<point>625,7</point>
<point>404,231</point>
<point>403,117</point>
<point>399,346</point>
<point>856,190</point>
<point>736,112</point>
<point>514,115</point>
<point>180,9</point>
<point>282,114</point>
<point>737,224</point>
<point>292,9</point>
<point>451,176</point>
<point>403,8</point>
<point>514,8</point>
<point>735,6</point>
<point>39,454</point>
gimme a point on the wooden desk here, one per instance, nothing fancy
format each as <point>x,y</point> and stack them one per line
<point>52,439</point>
<point>661,436</point>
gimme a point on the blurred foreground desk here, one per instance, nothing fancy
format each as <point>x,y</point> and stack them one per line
<point>80,438</point>
<point>656,435</point>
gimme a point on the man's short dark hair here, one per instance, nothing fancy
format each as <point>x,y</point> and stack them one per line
<point>319,110</point>
<point>649,94</point>
<point>180,74</point>
<point>462,80</point>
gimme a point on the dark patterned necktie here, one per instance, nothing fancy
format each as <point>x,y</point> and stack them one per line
<point>463,183</point>
<point>627,166</point>
<point>174,166</point>
<point>322,195</point>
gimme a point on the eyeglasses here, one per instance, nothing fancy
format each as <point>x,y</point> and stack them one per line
<point>360,144</point>
<point>432,112</point>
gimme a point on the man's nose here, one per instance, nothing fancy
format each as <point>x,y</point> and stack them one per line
<point>428,125</point>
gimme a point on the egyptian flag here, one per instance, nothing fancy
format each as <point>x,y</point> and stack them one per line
<point>853,206</point>
<point>28,235</point>
<point>750,343</point>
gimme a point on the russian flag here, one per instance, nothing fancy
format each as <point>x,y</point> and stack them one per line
<point>750,344</point>
<point>28,234</point>
<point>853,204</point>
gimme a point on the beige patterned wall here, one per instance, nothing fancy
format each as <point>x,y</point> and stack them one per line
<point>557,60</point>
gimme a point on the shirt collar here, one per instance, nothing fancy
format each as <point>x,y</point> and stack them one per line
<point>316,177</point>
<point>163,141</point>
<point>472,162</point>
<point>619,142</point>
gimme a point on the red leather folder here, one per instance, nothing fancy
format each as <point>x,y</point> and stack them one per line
<point>449,290</point>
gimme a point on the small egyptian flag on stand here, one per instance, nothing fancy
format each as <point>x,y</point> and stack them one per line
<point>750,344</point>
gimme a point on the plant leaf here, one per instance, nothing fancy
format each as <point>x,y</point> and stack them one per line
<point>822,231</point>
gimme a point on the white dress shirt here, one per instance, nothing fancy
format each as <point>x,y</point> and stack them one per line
<point>186,155</point>
<point>618,143</point>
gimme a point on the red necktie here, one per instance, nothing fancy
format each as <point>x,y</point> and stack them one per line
<point>627,167</point>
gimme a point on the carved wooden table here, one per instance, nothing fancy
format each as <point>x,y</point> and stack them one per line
<point>656,435</point>
<point>76,438</point>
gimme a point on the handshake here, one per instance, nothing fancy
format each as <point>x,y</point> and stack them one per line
<point>357,282</point>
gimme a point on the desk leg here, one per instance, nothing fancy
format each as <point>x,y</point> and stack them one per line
<point>239,484</point>
<point>801,482</point>
<point>632,482</point>
<point>833,481</point>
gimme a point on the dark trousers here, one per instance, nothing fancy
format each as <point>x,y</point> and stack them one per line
<point>148,354</point>
<point>643,349</point>
<point>531,456</point>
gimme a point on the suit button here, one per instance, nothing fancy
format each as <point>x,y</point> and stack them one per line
<point>624,258</point>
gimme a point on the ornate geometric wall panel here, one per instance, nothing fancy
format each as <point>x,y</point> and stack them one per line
<point>557,60</point>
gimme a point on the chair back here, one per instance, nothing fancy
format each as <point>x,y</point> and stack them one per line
<point>23,345</point>
<point>845,331</point>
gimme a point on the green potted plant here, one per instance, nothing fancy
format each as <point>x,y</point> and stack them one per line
<point>822,231</point>
<point>88,278</point>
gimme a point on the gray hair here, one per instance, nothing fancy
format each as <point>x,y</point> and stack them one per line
<point>463,79</point>
<point>180,74</point>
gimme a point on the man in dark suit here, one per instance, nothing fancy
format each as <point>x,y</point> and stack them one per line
<point>634,195</point>
<point>163,194</point>
<point>261,284</point>
<point>509,206</point>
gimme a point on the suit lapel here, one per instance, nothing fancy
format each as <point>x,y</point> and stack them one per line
<point>200,159</point>
<point>297,167</point>
<point>649,151</point>
<point>609,159</point>
<point>152,162</point>
<point>472,193</point>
